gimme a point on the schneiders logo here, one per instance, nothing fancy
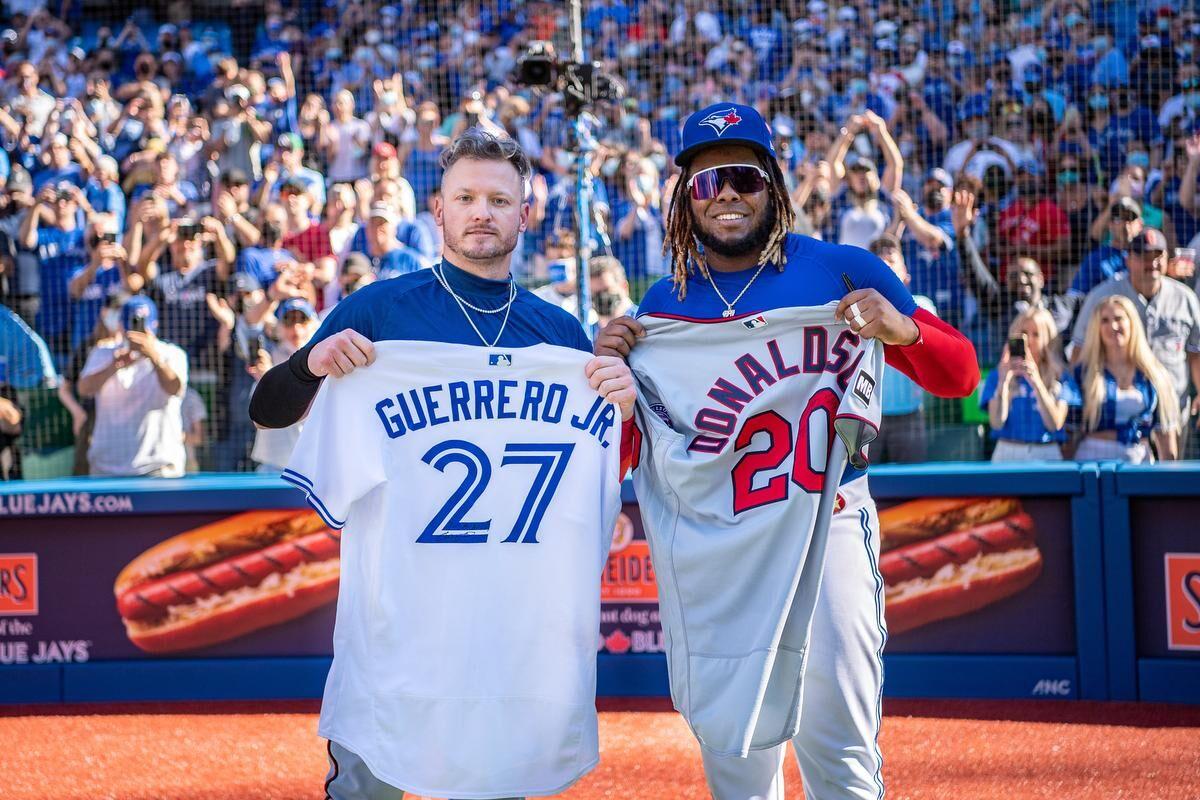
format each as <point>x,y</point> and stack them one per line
<point>18,584</point>
<point>1048,687</point>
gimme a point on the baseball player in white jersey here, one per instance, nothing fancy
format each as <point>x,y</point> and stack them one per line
<point>746,360</point>
<point>469,444</point>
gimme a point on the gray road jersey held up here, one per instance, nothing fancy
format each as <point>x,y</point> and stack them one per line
<point>738,416</point>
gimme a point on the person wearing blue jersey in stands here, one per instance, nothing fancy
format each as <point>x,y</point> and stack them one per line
<point>1026,396</point>
<point>469,299</point>
<point>55,228</point>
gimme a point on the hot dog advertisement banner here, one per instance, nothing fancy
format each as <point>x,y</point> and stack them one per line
<point>961,575</point>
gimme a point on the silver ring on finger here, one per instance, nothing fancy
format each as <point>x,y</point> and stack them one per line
<point>855,310</point>
<point>859,321</point>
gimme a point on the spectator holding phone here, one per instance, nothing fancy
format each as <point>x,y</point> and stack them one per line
<point>1025,396</point>
<point>139,384</point>
<point>105,275</point>
<point>194,261</point>
<point>1119,406</point>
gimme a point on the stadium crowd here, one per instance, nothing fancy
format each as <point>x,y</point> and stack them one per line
<point>183,199</point>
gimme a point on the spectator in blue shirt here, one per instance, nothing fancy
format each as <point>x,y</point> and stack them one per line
<point>637,220</point>
<point>58,165</point>
<point>389,258</point>
<point>902,438</point>
<point>1025,396</point>
<point>264,260</point>
<point>55,228</point>
<point>287,164</point>
<point>1118,408</point>
<point>929,245</point>
<point>1123,217</point>
<point>420,161</point>
<point>103,192</point>
<point>97,284</point>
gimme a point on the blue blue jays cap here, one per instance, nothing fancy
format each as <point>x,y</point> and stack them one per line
<point>724,123</point>
<point>974,106</point>
<point>296,304</point>
<point>139,307</point>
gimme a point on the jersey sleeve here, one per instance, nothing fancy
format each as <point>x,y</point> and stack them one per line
<point>340,454</point>
<point>858,416</point>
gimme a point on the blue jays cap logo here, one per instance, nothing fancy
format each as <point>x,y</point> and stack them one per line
<point>722,121</point>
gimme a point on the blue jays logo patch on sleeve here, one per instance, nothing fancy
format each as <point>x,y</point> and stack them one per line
<point>722,121</point>
<point>864,387</point>
<point>499,359</point>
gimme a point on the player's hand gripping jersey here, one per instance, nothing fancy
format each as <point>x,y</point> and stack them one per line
<point>478,490</point>
<point>739,415</point>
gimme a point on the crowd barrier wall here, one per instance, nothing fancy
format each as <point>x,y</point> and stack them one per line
<point>1108,606</point>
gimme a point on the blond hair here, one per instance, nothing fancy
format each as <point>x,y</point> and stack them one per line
<point>1137,351</point>
<point>1049,364</point>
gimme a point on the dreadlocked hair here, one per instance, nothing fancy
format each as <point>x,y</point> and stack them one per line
<point>681,242</point>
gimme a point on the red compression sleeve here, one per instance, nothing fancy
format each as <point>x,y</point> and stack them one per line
<point>631,446</point>
<point>941,361</point>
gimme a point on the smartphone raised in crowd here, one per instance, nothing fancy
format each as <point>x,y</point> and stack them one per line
<point>1016,347</point>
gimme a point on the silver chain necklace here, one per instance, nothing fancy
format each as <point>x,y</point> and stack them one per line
<point>729,312</point>
<point>464,305</point>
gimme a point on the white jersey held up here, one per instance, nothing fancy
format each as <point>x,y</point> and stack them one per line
<point>478,489</point>
<point>739,416</point>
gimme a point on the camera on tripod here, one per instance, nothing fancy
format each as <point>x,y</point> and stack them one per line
<point>581,84</point>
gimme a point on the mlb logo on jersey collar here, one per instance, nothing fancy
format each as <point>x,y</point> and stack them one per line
<point>755,322</point>
<point>499,359</point>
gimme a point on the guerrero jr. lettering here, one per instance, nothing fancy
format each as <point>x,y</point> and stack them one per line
<point>464,401</point>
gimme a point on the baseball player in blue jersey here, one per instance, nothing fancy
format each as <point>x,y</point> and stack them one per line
<point>736,262</point>
<point>469,299</point>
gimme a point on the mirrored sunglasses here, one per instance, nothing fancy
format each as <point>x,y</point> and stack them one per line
<point>744,178</point>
